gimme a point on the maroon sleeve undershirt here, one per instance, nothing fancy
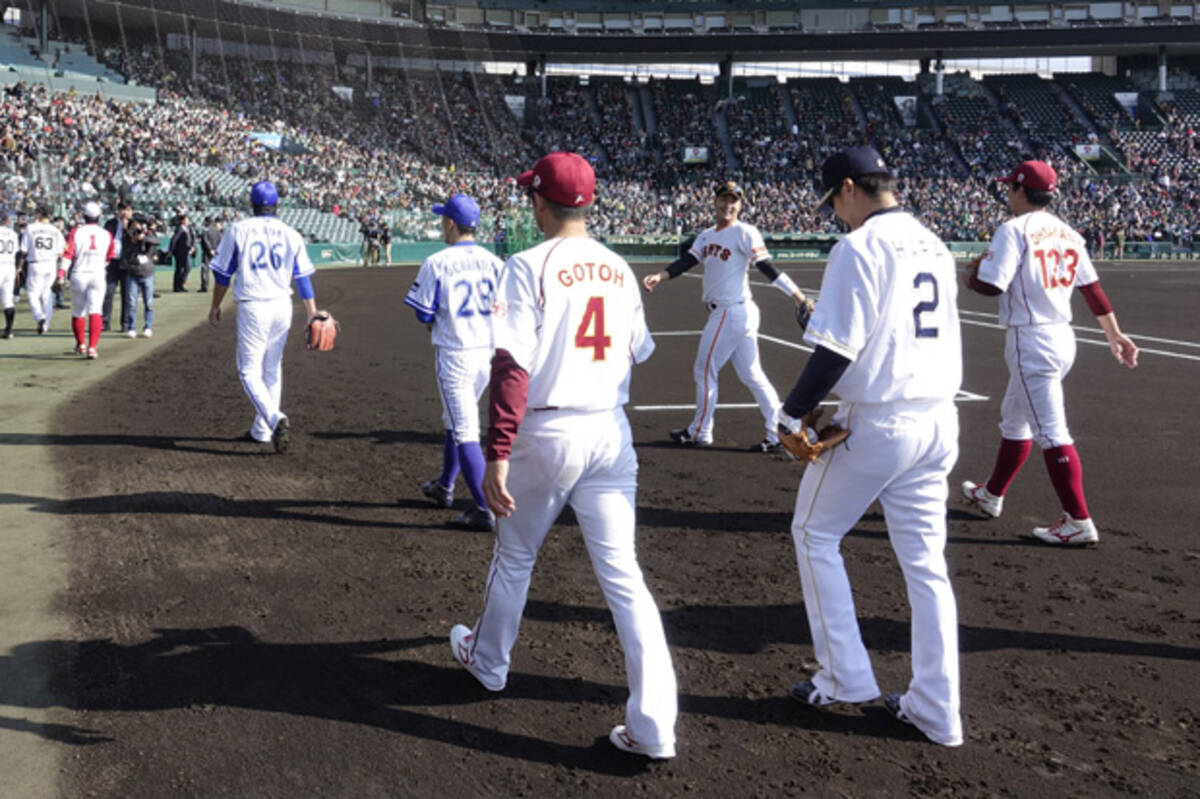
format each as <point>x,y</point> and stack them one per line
<point>507,395</point>
<point>1096,300</point>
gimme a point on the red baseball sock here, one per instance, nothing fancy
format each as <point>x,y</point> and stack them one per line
<point>95,321</point>
<point>77,323</point>
<point>1066,473</point>
<point>1009,461</point>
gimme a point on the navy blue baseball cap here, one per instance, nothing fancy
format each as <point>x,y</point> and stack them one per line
<point>852,163</point>
<point>460,209</point>
<point>263,193</point>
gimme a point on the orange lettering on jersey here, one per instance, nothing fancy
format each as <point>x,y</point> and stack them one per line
<point>591,272</point>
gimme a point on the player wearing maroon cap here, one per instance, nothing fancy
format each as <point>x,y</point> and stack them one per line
<point>1032,263</point>
<point>567,328</point>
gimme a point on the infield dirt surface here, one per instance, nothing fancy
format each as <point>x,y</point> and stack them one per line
<point>246,624</point>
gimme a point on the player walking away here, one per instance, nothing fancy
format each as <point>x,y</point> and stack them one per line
<point>42,245</point>
<point>261,255</point>
<point>887,343</point>
<point>9,245</point>
<point>385,242</point>
<point>453,294</point>
<point>1033,261</point>
<point>568,327</point>
<point>89,249</point>
<point>727,250</point>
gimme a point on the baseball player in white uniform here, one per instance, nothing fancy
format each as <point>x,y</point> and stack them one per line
<point>887,343</point>
<point>727,250</point>
<point>1032,264</point>
<point>9,245</point>
<point>43,246</point>
<point>261,255</point>
<point>453,294</point>
<point>568,327</point>
<point>89,249</point>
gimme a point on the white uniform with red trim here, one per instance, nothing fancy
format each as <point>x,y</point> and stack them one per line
<point>731,333</point>
<point>888,304</point>
<point>9,244</point>
<point>570,314</point>
<point>457,286</point>
<point>89,249</point>
<point>43,245</point>
<point>1036,259</point>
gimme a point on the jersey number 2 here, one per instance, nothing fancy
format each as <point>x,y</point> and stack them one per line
<point>593,320</point>
<point>925,306</point>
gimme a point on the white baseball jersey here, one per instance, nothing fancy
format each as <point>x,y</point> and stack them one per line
<point>1036,259</point>
<point>89,249</point>
<point>457,286</point>
<point>9,244</point>
<point>889,304</point>
<point>585,301</point>
<point>262,255</point>
<point>42,244</point>
<point>727,255</point>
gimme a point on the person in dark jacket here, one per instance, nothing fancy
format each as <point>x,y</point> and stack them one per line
<point>183,245</point>
<point>114,274</point>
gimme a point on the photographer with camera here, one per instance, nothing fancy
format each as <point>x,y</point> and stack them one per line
<point>139,274</point>
<point>114,273</point>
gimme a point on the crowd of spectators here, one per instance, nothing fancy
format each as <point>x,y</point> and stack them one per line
<point>412,138</point>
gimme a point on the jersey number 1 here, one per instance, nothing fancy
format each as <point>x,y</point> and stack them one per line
<point>593,320</point>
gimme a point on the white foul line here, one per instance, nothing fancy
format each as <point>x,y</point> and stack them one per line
<point>963,396</point>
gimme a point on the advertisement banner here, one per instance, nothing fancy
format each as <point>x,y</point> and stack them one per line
<point>1088,152</point>
<point>906,106</point>
<point>695,155</point>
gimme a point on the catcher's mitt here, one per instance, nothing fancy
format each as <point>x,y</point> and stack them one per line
<point>804,312</point>
<point>322,331</point>
<point>805,444</point>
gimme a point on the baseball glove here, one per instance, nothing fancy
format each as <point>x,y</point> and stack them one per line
<point>322,331</point>
<point>806,444</point>
<point>804,312</point>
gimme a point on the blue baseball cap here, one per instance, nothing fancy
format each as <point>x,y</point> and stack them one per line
<point>852,163</point>
<point>263,193</point>
<point>461,210</point>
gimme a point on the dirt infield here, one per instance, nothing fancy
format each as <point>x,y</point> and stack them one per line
<point>246,624</point>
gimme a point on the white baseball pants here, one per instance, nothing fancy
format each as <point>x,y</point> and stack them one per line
<point>1038,358</point>
<point>262,328</point>
<point>87,294</point>
<point>463,376</point>
<point>731,333</point>
<point>8,284</point>
<point>902,456</point>
<point>587,460</point>
<point>41,298</point>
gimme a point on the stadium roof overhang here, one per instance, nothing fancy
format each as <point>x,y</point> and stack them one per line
<point>257,23</point>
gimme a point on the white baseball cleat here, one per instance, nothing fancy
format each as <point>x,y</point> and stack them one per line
<point>977,494</point>
<point>92,354</point>
<point>462,642</point>
<point>685,437</point>
<point>621,739</point>
<point>1069,532</point>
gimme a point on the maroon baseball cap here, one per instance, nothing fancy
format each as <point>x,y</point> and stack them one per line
<point>564,178</point>
<point>1036,175</point>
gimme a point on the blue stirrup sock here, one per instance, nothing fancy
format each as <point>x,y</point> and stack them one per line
<point>470,455</point>
<point>449,461</point>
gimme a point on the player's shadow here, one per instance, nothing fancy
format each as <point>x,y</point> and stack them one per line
<point>383,436</point>
<point>359,682</point>
<point>210,445</point>
<point>748,629</point>
<point>169,503</point>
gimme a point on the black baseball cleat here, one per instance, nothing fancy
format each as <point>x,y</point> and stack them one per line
<point>479,519</point>
<point>767,445</point>
<point>41,328</point>
<point>684,436</point>
<point>441,495</point>
<point>807,693</point>
<point>282,437</point>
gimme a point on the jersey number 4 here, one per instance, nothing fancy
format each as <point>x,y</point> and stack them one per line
<point>593,321</point>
